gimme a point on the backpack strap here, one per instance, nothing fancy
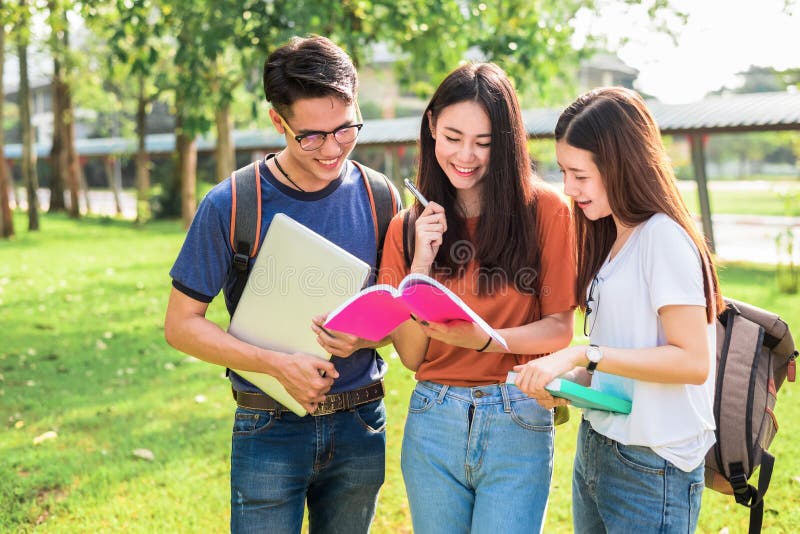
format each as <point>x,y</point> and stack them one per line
<point>409,218</point>
<point>750,496</point>
<point>245,224</point>
<point>384,204</point>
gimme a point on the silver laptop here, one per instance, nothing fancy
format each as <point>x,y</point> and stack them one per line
<point>297,274</point>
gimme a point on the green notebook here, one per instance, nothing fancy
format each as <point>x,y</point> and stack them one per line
<point>583,397</point>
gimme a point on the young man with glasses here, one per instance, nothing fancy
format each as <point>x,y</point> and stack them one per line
<point>333,459</point>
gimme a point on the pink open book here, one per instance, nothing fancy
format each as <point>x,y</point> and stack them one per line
<point>379,309</point>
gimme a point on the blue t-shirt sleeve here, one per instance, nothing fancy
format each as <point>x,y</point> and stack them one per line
<point>203,263</point>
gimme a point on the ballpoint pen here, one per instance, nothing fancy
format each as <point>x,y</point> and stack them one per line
<point>414,191</point>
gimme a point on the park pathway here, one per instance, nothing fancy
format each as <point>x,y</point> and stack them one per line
<point>738,237</point>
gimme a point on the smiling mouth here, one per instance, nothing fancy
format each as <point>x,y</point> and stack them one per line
<point>328,162</point>
<point>465,170</point>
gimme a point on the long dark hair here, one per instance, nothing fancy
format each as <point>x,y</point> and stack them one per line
<point>614,124</point>
<point>506,241</point>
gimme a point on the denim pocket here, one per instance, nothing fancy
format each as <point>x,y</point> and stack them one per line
<point>530,415</point>
<point>372,416</point>
<point>421,400</point>
<point>640,458</point>
<point>247,422</point>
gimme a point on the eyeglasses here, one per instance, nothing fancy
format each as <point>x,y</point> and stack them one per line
<point>314,140</point>
<point>592,306</point>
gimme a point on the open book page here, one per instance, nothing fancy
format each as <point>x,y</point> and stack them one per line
<point>430,300</point>
<point>371,314</point>
<point>377,310</point>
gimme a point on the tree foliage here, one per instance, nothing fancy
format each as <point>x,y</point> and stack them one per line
<point>200,55</point>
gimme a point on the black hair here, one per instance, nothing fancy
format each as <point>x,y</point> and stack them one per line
<point>308,67</point>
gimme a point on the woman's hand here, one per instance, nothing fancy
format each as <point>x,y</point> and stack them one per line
<point>457,333</point>
<point>536,374</point>
<point>429,228</point>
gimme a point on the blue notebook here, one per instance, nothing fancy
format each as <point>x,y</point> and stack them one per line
<point>583,397</point>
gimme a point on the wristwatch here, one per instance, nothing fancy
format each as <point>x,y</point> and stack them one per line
<point>594,354</point>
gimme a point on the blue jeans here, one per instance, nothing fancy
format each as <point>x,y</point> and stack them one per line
<point>334,462</point>
<point>476,459</point>
<point>625,488</point>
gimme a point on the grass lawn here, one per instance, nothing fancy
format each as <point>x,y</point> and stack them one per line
<point>746,197</point>
<point>82,355</point>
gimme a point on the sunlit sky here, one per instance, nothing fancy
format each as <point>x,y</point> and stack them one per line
<point>720,38</point>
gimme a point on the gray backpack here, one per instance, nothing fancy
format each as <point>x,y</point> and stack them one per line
<point>755,354</point>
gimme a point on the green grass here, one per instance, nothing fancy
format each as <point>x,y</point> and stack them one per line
<point>751,198</point>
<point>82,354</point>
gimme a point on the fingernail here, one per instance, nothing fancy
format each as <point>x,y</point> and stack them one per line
<point>424,323</point>
<point>412,316</point>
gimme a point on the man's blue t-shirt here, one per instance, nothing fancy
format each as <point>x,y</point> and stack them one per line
<point>341,212</point>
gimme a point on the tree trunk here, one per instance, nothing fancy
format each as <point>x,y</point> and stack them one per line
<point>142,159</point>
<point>225,151</point>
<point>14,189</point>
<point>58,156</point>
<point>28,149</point>
<point>114,177</point>
<point>73,171</point>
<point>187,156</point>
<point>84,187</point>
<point>6,219</point>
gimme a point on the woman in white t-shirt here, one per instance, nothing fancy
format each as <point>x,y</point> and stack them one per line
<point>651,298</point>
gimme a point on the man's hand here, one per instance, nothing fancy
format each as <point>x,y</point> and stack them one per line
<point>457,333</point>
<point>307,378</point>
<point>338,343</point>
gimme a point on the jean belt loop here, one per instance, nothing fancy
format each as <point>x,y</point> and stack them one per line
<point>506,400</point>
<point>442,394</point>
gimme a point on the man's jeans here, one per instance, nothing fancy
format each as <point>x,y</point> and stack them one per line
<point>335,461</point>
<point>625,488</point>
<point>476,459</point>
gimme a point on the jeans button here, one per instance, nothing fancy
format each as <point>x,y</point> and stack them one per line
<point>479,394</point>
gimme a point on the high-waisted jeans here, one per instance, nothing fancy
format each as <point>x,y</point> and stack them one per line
<point>476,459</point>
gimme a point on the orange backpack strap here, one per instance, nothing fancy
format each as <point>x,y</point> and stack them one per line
<point>245,234</point>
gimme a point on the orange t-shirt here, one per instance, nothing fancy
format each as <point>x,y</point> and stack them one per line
<point>506,308</point>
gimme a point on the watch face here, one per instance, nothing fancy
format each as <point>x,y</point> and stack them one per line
<point>593,353</point>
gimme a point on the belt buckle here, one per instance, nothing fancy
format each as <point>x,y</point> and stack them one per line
<point>330,405</point>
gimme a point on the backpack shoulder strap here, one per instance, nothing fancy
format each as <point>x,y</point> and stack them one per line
<point>383,200</point>
<point>409,218</point>
<point>245,223</point>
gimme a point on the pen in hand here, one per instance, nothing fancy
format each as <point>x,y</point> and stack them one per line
<point>414,191</point>
<point>325,330</point>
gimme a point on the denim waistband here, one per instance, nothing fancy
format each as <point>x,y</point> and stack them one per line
<point>594,434</point>
<point>488,394</point>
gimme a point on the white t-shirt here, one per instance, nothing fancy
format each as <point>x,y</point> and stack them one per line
<point>659,265</point>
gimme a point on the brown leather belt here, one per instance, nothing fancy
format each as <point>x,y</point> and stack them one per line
<point>334,402</point>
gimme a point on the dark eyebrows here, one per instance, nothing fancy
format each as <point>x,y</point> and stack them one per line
<point>459,132</point>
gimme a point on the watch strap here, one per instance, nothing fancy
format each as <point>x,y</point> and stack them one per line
<point>592,365</point>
